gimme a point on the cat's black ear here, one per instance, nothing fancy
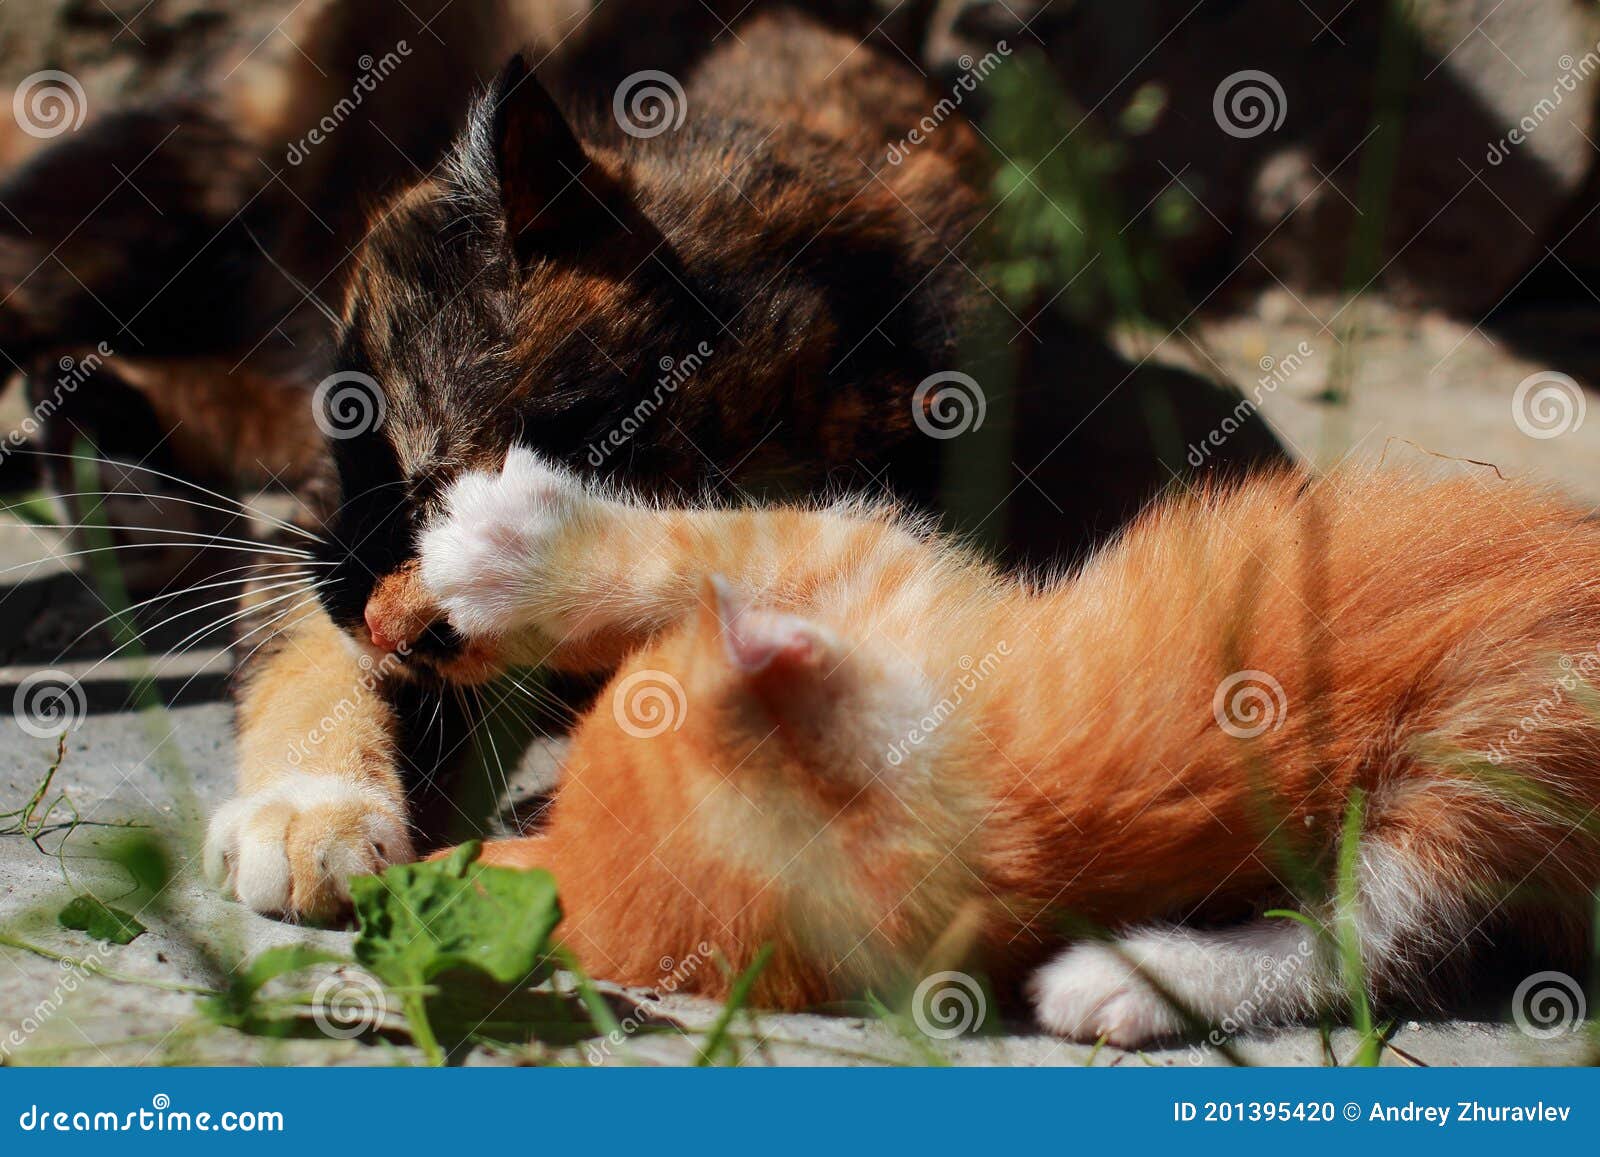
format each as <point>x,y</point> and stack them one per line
<point>551,192</point>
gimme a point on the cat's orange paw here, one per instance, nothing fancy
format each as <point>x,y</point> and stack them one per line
<point>291,849</point>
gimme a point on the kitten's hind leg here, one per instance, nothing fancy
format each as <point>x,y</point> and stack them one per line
<point>1417,908</point>
<point>1165,981</point>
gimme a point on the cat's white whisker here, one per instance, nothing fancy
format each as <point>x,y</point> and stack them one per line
<point>487,716</point>
<point>242,512</point>
<point>174,618</point>
<point>217,540</point>
<point>34,564</point>
<point>167,595</point>
<point>273,519</point>
<point>185,644</point>
<point>272,622</point>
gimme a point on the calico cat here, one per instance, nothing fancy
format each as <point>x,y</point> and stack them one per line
<point>548,286</point>
<point>837,734</point>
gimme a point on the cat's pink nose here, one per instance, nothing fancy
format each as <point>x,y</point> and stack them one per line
<point>381,638</point>
<point>398,610</point>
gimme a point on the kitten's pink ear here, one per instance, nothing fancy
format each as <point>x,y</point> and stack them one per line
<point>757,640</point>
<point>551,191</point>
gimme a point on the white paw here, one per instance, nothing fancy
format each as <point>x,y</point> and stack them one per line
<point>291,848</point>
<point>484,563</point>
<point>1094,990</point>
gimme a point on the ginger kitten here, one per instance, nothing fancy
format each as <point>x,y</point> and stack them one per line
<point>835,733</point>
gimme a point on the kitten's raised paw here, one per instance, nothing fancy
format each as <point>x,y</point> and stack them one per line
<point>484,563</point>
<point>1093,991</point>
<point>291,849</point>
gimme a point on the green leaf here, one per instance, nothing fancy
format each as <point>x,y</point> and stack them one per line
<point>488,927</point>
<point>103,922</point>
<point>419,920</point>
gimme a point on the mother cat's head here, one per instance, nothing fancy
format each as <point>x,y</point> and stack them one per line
<point>653,308</point>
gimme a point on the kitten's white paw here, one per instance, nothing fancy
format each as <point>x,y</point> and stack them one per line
<point>291,849</point>
<point>484,563</point>
<point>1094,990</point>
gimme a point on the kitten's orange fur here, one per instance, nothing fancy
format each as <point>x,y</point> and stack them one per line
<point>1412,623</point>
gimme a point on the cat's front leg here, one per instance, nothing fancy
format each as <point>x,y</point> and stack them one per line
<point>547,569</point>
<point>319,799</point>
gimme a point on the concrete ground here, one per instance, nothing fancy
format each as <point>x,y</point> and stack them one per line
<point>1421,383</point>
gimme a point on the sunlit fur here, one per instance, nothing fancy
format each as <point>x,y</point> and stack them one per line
<point>533,289</point>
<point>1083,780</point>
